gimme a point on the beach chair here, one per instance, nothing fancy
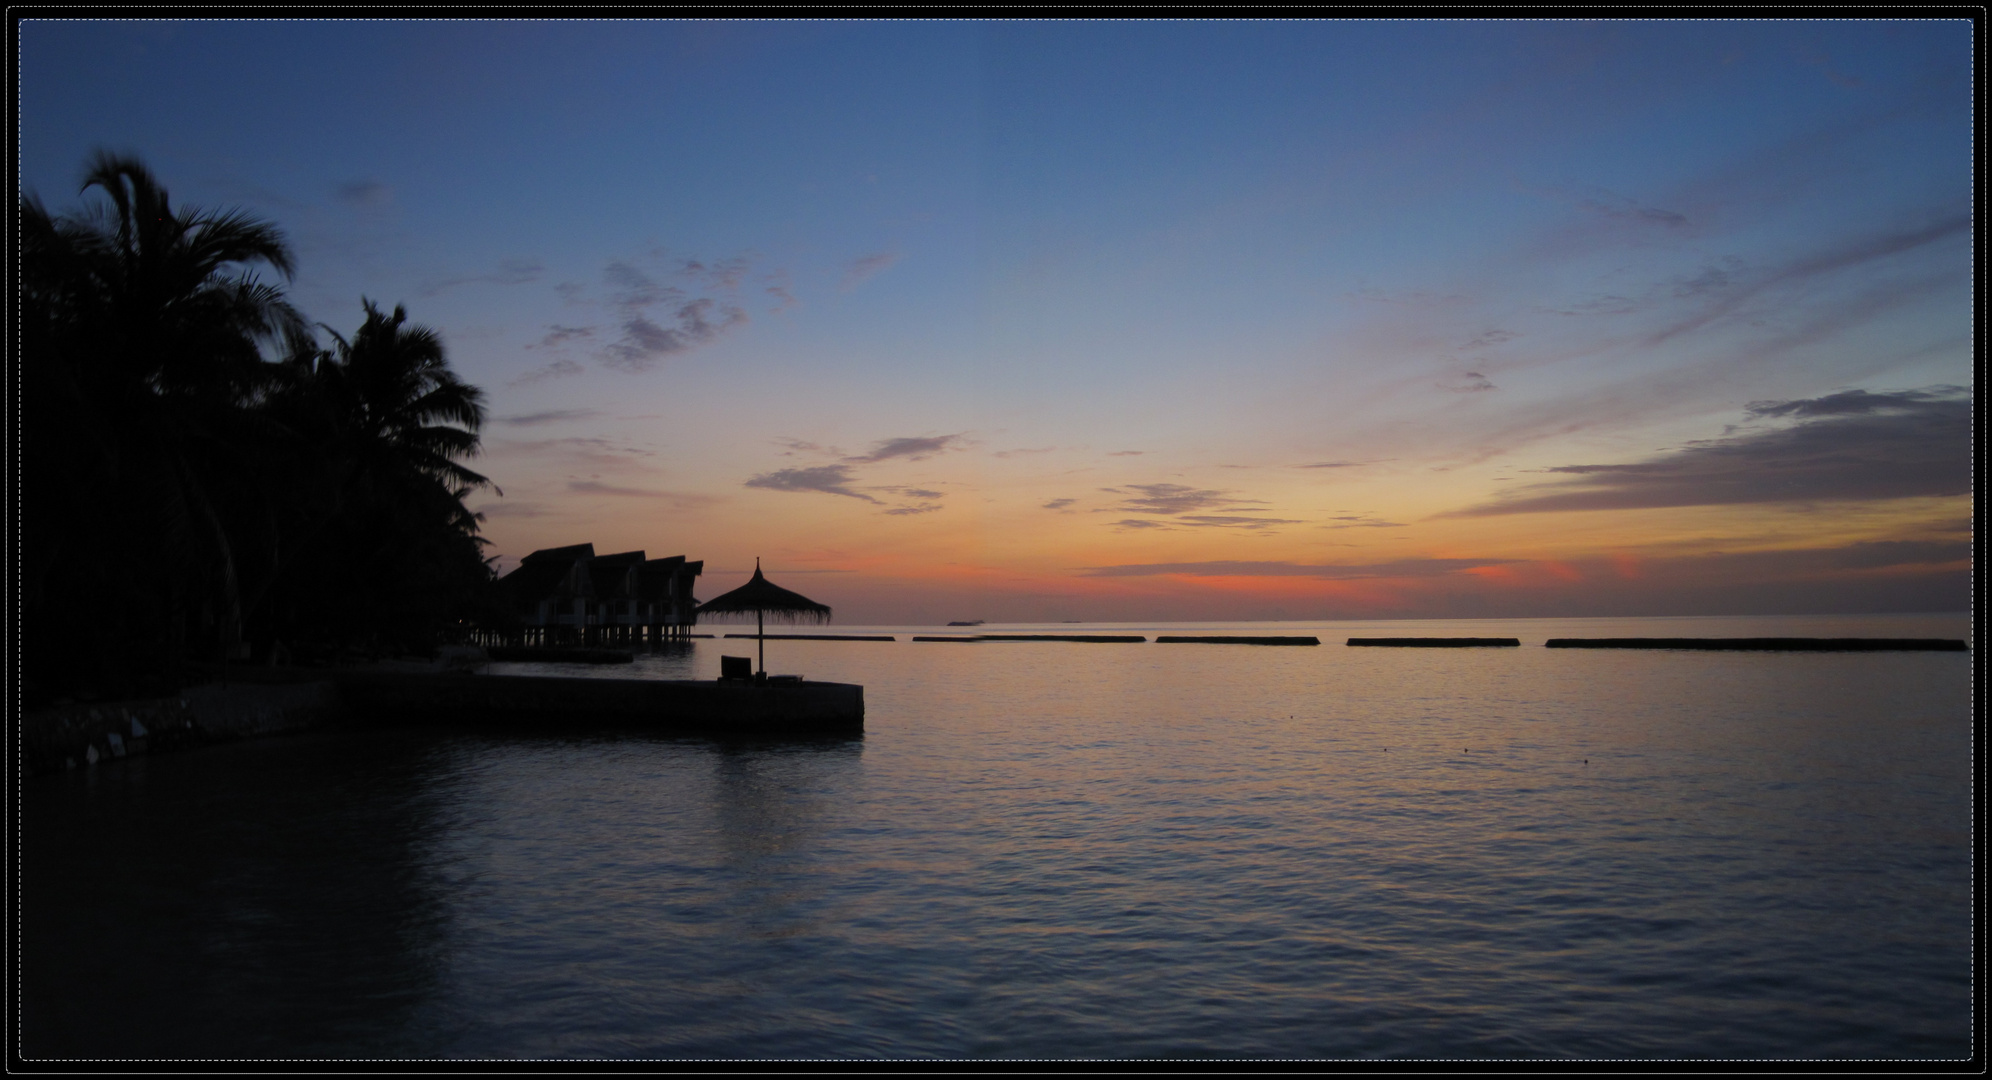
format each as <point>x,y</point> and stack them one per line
<point>736,667</point>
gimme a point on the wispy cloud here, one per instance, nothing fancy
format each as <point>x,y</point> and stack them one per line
<point>551,416</point>
<point>1234,521</point>
<point>1362,521</point>
<point>689,322</point>
<point>1059,504</point>
<point>365,193</point>
<point>828,479</point>
<point>1177,499</point>
<point>509,272</point>
<point>678,499</point>
<point>912,449</point>
<point>1850,252</point>
<point>865,267</point>
<point>511,508</point>
<point>777,287</point>
<point>694,323</point>
<point>595,487</point>
<point>1401,568</point>
<point>559,369</point>
<point>558,335</point>
<point>1850,446</point>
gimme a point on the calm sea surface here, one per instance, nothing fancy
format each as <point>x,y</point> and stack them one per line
<point>1057,850</point>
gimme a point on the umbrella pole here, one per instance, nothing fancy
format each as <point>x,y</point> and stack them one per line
<point>761,641</point>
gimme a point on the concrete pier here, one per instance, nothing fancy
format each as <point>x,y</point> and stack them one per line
<point>706,707</point>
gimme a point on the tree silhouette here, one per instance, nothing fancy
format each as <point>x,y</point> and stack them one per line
<point>184,493</point>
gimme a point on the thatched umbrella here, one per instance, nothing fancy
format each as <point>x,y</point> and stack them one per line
<point>765,601</point>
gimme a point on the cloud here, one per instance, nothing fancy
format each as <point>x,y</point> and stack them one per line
<point>912,449</point>
<point>1177,499</point>
<point>922,493</point>
<point>1335,465</point>
<point>1488,339</point>
<point>828,479</point>
<point>1024,450</point>
<point>1363,521</point>
<point>1624,209</point>
<point>1228,521</point>
<point>896,511</point>
<point>865,267</point>
<point>1401,568</point>
<point>679,500</point>
<point>777,286</point>
<point>722,274</point>
<point>559,369</point>
<point>1059,504</point>
<point>1139,523</point>
<point>695,323</point>
<point>509,272</point>
<point>511,509</point>
<point>560,335</point>
<point>636,289</point>
<point>551,416</point>
<point>1850,253</point>
<point>1470,383</point>
<point>592,487</point>
<point>1127,453</point>
<point>365,193</point>
<point>1877,554</point>
<point>1850,446</point>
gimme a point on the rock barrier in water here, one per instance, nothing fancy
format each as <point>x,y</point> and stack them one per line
<point>1062,637</point>
<point>815,637</point>
<point>1207,639</point>
<point>1766,644</point>
<point>1438,642</point>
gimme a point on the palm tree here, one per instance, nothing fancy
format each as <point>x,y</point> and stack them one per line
<point>142,335</point>
<point>396,548</point>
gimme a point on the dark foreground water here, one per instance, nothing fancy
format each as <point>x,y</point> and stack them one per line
<point>1064,851</point>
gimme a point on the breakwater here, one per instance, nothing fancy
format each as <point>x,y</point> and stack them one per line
<point>812,637</point>
<point>1208,639</point>
<point>1768,644</point>
<point>1095,638</point>
<point>1438,642</point>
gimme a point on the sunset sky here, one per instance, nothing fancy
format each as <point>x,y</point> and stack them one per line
<point>1136,321</point>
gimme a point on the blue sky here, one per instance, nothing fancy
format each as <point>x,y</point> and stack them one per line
<point>957,314</point>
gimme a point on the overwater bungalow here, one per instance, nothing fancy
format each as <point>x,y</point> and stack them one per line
<point>570,595</point>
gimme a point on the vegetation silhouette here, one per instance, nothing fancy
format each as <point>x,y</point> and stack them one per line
<point>187,497</point>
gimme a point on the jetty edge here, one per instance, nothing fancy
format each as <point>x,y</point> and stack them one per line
<point>1773,644</point>
<point>557,654</point>
<point>722,707</point>
<point>248,703</point>
<point>1234,639</point>
<point>1438,642</point>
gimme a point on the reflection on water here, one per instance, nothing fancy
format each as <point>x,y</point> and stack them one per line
<point>1066,851</point>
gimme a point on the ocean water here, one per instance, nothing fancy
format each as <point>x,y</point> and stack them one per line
<point>1064,851</point>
